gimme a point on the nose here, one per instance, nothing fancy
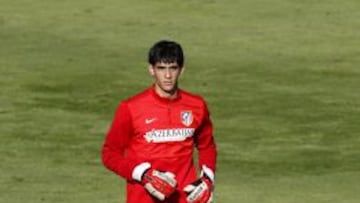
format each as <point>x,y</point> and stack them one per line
<point>167,73</point>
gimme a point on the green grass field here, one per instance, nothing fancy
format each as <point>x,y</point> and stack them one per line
<point>281,78</point>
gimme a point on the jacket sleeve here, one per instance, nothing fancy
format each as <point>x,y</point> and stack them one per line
<point>116,141</point>
<point>205,142</point>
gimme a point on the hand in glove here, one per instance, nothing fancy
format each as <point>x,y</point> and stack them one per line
<point>159,184</point>
<point>201,190</point>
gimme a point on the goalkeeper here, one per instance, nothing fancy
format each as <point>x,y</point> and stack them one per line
<point>153,136</point>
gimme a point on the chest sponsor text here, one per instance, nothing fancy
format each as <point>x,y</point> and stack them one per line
<point>169,135</point>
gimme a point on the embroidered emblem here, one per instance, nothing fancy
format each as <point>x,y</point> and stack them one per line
<point>187,118</point>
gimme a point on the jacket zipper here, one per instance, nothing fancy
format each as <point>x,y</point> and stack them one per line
<point>169,113</point>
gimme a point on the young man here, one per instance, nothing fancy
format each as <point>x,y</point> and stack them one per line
<point>154,133</point>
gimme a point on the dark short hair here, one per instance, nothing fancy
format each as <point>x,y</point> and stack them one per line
<point>167,52</point>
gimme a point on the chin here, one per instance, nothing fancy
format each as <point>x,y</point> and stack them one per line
<point>168,89</point>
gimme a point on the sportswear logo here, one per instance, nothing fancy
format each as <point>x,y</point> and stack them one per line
<point>149,120</point>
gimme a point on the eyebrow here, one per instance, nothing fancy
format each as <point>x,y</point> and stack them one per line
<point>173,66</point>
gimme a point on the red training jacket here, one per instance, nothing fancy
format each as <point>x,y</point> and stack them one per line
<point>163,132</point>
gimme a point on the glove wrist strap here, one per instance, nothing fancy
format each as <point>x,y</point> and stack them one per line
<point>208,173</point>
<point>140,170</point>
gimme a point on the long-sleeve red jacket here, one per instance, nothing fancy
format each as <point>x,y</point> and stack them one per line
<point>164,133</point>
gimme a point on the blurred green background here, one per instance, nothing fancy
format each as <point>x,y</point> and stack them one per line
<point>281,79</point>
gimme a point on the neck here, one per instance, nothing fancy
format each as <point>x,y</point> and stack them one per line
<point>166,94</point>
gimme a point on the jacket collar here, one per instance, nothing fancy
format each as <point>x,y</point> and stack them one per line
<point>162,99</point>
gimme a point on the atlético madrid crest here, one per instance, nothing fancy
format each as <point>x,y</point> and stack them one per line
<point>187,118</point>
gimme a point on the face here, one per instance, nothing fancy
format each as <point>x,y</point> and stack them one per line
<point>166,77</point>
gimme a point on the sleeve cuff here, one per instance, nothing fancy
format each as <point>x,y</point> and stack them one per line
<point>139,170</point>
<point>208,172</point>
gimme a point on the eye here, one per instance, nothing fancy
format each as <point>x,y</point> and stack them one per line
<point>160,67</point>
<point>174,67</point>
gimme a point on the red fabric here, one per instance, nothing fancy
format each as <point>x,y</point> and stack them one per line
<point>148,128</point>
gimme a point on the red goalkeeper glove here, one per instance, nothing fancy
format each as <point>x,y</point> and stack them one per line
<point>159,184</point>
<point>201,191</point>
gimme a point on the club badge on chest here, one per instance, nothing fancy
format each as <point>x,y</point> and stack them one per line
<point>187,118</point>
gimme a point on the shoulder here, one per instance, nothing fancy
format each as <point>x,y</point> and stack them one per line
<point>134,101</point>
<point>196,102</point>
<point>194,98</point>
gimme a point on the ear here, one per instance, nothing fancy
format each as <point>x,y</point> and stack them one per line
<point>151,70</point>
<point>182,70</point>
